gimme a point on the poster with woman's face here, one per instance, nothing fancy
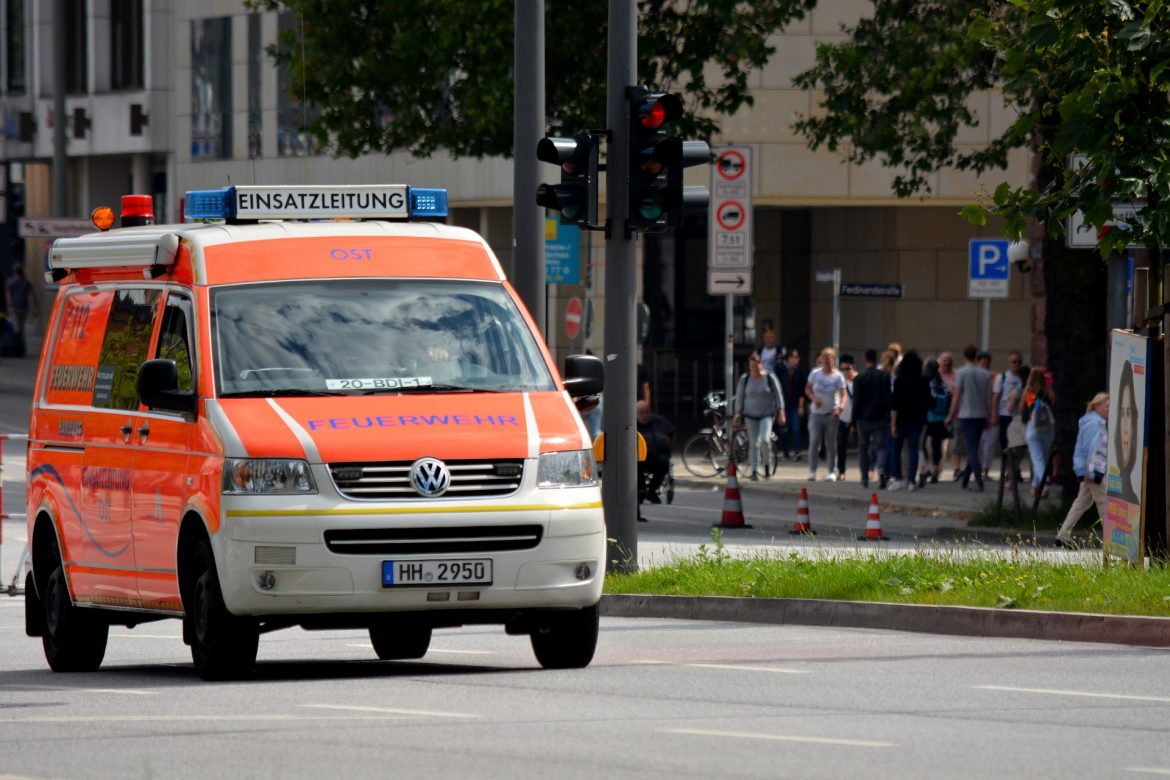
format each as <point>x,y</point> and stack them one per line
<point>1128,383</point>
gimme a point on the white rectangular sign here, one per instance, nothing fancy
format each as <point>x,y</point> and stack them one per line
<point>730,218</point>
<point>729,282</point>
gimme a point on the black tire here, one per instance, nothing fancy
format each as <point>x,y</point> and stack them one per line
<point>75,637</point>
<point>400,641</point>
<point>567,640</point>
<point>223,646</point>
<point>704,455</point>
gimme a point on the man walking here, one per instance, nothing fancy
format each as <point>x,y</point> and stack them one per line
<point>972,406</point>
<point>871,410</point>
<point>792,381</point>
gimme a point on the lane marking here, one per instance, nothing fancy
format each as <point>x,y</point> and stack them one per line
<point>389,711</point>
<point>126,691</point>
<point>145,636</point>
<point>1148,770</point>
<point>192,718</point>
<point>1083,694</point>
<point>733,667</point>
<point>779,737</point>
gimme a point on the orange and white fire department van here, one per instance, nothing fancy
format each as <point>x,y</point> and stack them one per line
<point>307,408</point>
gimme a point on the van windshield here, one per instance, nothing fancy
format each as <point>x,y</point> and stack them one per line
<point>355,336</point>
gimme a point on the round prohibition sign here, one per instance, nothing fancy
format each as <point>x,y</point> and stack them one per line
<point>730,165</point>
<point>730,215</point>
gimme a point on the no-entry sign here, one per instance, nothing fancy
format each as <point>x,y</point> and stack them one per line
<point>573,316</point>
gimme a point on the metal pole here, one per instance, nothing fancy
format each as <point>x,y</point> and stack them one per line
<point>729,354</point>
<point>527,267</point>
<point>619,488</point>
<point>985,327</point>
<point>60,173</point>
<point>837,311</point>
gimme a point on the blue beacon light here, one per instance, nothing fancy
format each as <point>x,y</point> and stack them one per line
<point>210,204</point>
<point>428,203</point>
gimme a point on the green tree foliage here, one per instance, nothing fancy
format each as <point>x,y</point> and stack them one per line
<point>426,76</point>
<point>1086,77</point>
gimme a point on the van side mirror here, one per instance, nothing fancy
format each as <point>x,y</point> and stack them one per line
<point>158,387</point>
<point>584,375</point>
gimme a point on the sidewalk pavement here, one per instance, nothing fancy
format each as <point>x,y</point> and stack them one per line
<point>946,499</point>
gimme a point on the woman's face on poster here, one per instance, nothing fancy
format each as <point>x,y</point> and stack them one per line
<point>1127,424</point>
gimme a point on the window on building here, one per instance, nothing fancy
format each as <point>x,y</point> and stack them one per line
<point>255,63</point>
<point>126,44</point>
<point>76,47</point>
<point>211,88</point>
<point>15,45</point>
<point>293,117</point>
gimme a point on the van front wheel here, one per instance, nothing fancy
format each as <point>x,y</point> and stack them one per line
<point>223,646</point>
<point>74,639</point>
<point>566,640</point>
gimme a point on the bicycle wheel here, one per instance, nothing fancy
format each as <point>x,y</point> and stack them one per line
<point>668,488</point>
<point>742,446</point>
<point>703,455</point>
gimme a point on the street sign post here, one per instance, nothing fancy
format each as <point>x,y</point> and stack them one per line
<point>729,247</point>
<point>53,227</point>
<point>573,317</point>
<point>988,276</point>
<point>854,290</point>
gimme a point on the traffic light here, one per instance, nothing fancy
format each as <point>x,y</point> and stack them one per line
<point>657,160</point>
<point>576,196</point>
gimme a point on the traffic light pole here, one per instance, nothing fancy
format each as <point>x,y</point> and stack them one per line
<point>619,487</point>
<point>527,267</point>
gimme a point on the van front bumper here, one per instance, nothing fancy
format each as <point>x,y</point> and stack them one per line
<point>276,561</point>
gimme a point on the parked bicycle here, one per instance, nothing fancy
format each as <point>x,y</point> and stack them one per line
<point>707,453</point>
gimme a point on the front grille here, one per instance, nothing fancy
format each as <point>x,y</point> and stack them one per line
<point>469,479</point>
<point>431,541</point>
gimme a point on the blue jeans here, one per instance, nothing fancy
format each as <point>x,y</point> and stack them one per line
<point>1039,445</point>
<point>908,433</point>
<point>790,431</point>
<point>972,431</point>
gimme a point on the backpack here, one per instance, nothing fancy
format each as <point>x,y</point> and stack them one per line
<point>1041,417</point>
<point>940,405</point>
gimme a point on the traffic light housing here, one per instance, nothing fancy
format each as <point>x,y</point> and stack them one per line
<point>657,160</point>
<point>575,198</point>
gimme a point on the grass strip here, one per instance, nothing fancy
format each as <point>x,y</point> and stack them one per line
<point>1012,578</point>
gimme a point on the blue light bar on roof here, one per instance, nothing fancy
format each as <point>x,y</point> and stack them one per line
<point>428,203</point>
<point>376,201</point>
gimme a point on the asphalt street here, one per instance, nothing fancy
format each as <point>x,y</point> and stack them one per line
<point>662,699</point>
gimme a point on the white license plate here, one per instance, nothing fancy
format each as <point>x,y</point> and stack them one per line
<point>456,571</point>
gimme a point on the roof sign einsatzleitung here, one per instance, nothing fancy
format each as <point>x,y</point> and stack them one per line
<point>375,201</point>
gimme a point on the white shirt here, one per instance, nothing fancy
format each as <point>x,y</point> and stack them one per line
<point>827,388</point>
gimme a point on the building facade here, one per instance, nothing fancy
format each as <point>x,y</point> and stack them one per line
<point>162,97</point>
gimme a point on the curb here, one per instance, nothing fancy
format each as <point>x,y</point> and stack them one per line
<point>919,618</point>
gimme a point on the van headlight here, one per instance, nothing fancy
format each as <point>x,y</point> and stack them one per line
<point>566,469</point>
<point>242,476</point>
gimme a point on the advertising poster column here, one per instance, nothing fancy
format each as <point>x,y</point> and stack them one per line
<point>1128,445</point>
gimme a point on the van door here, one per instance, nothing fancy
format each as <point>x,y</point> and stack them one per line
<point>109,573</point>
<point>161,480</point>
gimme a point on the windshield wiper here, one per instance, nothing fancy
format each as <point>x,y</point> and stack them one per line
<point>280,391</point>
<point>433,388</point>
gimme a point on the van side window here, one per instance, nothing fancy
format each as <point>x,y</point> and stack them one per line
<point>174,339</point>
<point>124,347</point>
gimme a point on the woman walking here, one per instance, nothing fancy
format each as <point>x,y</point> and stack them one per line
<point>758,401</point>
<point>825,392</point>
<point>907,417</point>
<point>1040,426</point>
<point>936,426</point>
<point>1090,458</point>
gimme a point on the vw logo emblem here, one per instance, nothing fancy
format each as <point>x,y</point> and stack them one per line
<point>430,477</point>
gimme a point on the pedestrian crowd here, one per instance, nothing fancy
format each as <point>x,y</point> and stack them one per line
<point>910,416</point>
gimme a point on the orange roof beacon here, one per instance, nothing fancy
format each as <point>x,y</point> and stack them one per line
<point>305,406</point>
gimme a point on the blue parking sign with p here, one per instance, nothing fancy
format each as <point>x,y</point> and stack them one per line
<point>988,268</point>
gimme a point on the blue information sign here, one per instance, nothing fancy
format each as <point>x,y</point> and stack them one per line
<point>562,253</point>
<point>988,268</point>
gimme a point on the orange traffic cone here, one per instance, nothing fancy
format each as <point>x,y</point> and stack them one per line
<point>732,507</point>
<point>801,526</point>
<point>873,522</point>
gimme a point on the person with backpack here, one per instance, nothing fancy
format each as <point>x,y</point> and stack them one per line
<point>936,423</point>
<point>1040,426</point>
<point>758,401</point>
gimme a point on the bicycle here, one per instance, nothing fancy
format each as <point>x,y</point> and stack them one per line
<point>707,453</point>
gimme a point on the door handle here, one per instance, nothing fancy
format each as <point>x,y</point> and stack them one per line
<point>127,429</point>
<point>144,431</point>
